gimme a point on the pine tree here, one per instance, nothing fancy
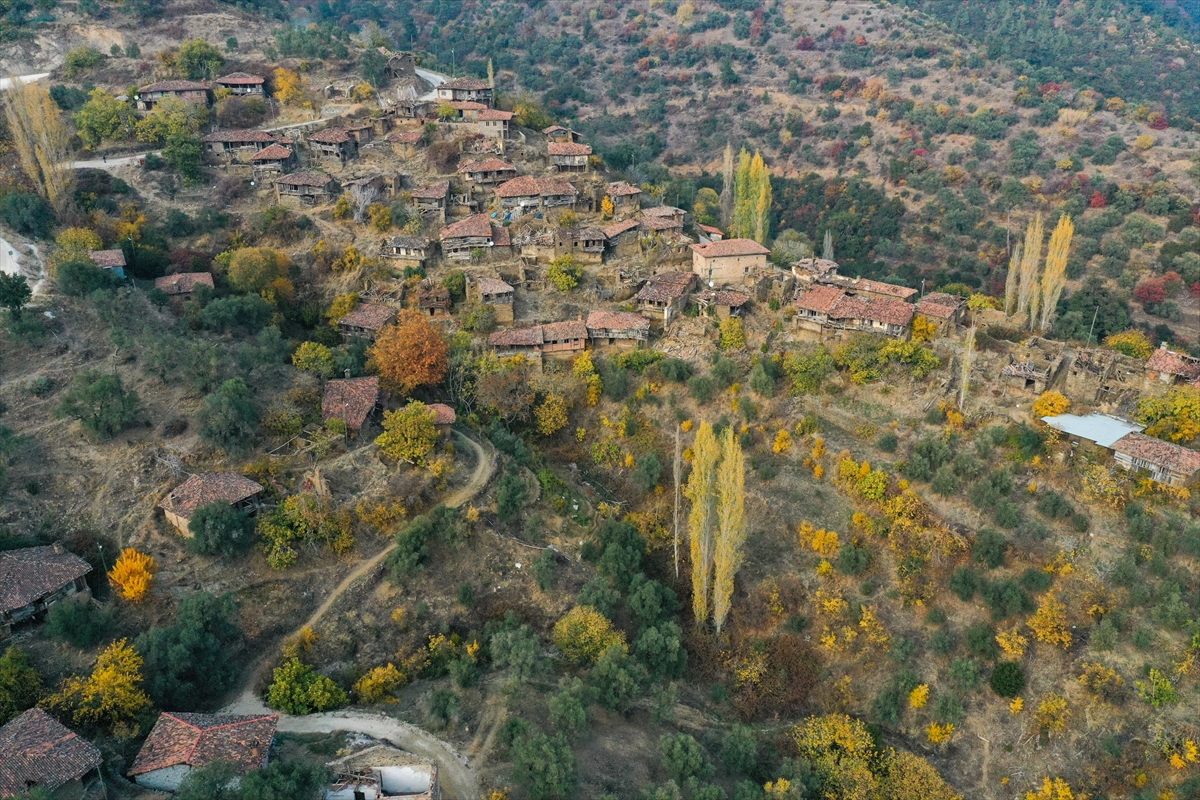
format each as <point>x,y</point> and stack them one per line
<point>731,531</point>
<point>727,187</point>
<point>41,139</point>
<point>1028,296</point>
<point>1054,275</point>
<point>701,490</point>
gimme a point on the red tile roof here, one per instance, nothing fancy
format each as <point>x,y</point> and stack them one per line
<point>173,86</point>
<point>501,236</point>
<point>873,309</point>
<point>212,487</point>
<point>664,211</point>
<point>241,136</point>
<point>196,740</point>
<point>468,84</point>
<point>555,129</point>
<point>183,282</point>
<point>477,225</point>
<point>487,165</point>
<point>724,297</point>
<point>241,79</point>
<point>305,179</point>
<point>1165,454</point>
<point>666,286</point>
<point>618,228</point>
<point>727,248</point>
<point>107,259</point>
<point>939,305</point>
<point>274,152</point>
<point>710,229</point>
<point>31,573</point>
<point>568,149</point>
<point>488,285</point>
<point>467,105</point>
<point>434,191</point>
<point>616,321</point>
<point>876,287</point>
<point>329,136</point>
<point>1172,363</point>
<point>405,137</point>
<point>819,299</point>
<point>442,414</point>
<point>351,400</point>
<point>529,186</point>
<point>494,115</point>
<point>564,331</point>
<point>622,189</point>
<point>369,316</point>
<point>517,337</point>
<point>661,223</point>
<point>37,750</point>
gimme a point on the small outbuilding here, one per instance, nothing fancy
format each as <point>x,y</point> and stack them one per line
<point>180,743</point>
<point>212,487</point>
<point>353,401</point>
<point>34,578</point>
<point>37,752</point>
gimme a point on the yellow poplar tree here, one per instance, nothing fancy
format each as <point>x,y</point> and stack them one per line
<point>1054,276</point>
<point>731,530</point>
<point>132,575</point>
<point>701,491</point>
<point>1031,257</point>
<point>1010,283</point>
<point>41,140</point>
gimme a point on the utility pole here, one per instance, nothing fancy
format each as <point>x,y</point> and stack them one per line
<point>1093,328</point>
<point>678,469</point>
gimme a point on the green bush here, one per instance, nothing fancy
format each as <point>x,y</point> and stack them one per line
<point>79,621</point>
<point>220,529</point>
<point>989,549</point>
<point>298,689</point>
<point>965,582</point>
<point>20,684</point>
<point>683,758</point>
<point>701,388</point>
<point>675,369</point>
<point>1008,679</point>
<point>191,662</point>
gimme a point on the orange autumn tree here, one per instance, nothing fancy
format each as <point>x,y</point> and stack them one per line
<point>132,575</point>
<point>409,354</point>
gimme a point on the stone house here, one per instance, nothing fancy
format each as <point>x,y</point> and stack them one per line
<point>472,90</point>
<point>462,239</point>
<point>405,143</point>
<point>1104,377</point>
<point>433,300</point>
<point>212,487</point>
<point>366,321</point>
<point>306,188</point>
<point>1171,368</point>
<point>353,401</point>
<point>494,124</point>
<point>38,753</point>
<point>487,171</point>
<point>384,186</point>
<point>242,84</point>
<point>569,156</point>
<point>34,578</point>
<point>872,314</point>
<point>811,271</point>
<point>492,292</point>
<point>586,244</point>
<point>724,303</point>
<point>333,143</point>
<point>229,143</point>
<point>410,251</point>
<point>182,284</point>
<point>109,259</point>
<point>729,262</point>
<point>813,307</point>
<point>617,329</point>
<point>274,158</point>
<point>557,133</point>
<point>361,131</point>
<point>381,772</point>
<point>1165,461</point>
<point>1034,366</point>
<point>667,226</point>
<point>624,197</point>
<point>530,192</point>
<point>622,237</point>
<point>187,91</point>
<point>179,743</point>
<point>664,295</point>
<point>433,197</point>
<point>946,311</point>
<point>443,416</point>
<point>555,339</point>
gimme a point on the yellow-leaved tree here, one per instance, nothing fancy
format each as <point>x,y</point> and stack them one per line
<point>1050,404</point>
<point>1132,343</point>
<point>133,575</point>
<point>583,634</point>
<point>41,139</point>
<point>378,685</point>
<point>111,695</point>
<point>73,244</point>
<point>551,414</point>
<point>409,434</point>
<point>1054,789</point>
<point>1054,275</point>
<point>731,526</point>
<point>701,491</point>
<point>1049,622</point>
<point>1175,417</point>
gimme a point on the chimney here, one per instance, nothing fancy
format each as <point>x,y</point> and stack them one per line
<point>347,374</point>
<point>58,548</point>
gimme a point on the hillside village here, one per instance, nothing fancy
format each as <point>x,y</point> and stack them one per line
<point>370,427</point>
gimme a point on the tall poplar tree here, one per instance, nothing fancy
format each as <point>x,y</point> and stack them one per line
<point>761,177</point>
<point>701,491</point>
<point>727,185</point>
<point>1028,296</point>
<point>41,140</point>
<point>731,527</point>
<point>742,196</point>
<point>1054,275</point>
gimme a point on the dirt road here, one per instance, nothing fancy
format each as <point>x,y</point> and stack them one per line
<point>458,778</point>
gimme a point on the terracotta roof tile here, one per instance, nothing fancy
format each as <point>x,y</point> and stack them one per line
<point>664,211</point>
<point>666,286</point>
<point>477,225</point>
<point>568,149</point>
<point>875,287</point>
<point>616,321</point>
<point>329,136</point>
<point>529,186</point>
<point>173,86</point>
<point>241,136</point>
<point>107,259</point>
<point>199,739</point>
<point>37,750</point>
<point>212,487</point>
<point>873,309</point>
<point>730,247</point>
<point>442,414</point>
<point>240,79</point>
<point>555,129</point>
<point>467,105</point>
<point>183,282</point>
<point>709,229</point>
<point>618,228</point>
<point>564,331</point>
<point>433,191</point>
<point>1173,457</point>
<point>819,299</point>
<point>501,236</point>
<point>494,115</point>
<point>1172,363</point>
<point>653,223</point>
<point>351,400</point>
<point>486,165</point>
<point>489,286</point>
<point>305,179</point>
<point>468,84</point>
<point>622,189</point>
<point>273,152</point>
<point>30,573</point>
<point>724,297</point>
<point>369,316</point>
<point>940,306</point>
<point>517,337</point>
<point>405,137</point>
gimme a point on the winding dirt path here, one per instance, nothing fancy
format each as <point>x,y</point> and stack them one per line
<point>458,779</point>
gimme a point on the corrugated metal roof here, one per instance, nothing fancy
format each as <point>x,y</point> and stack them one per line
<point>1102,429</point>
